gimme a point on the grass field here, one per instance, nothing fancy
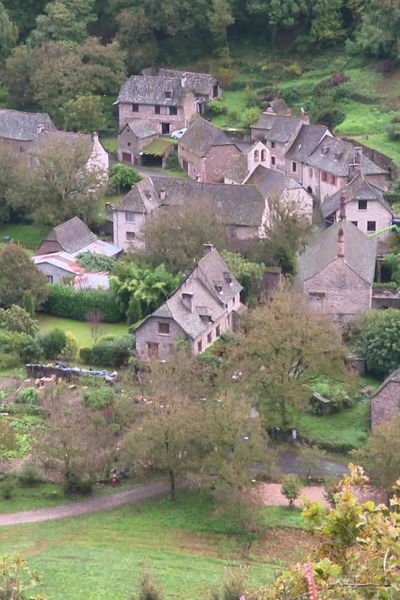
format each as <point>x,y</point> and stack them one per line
<point>80,329</point>
<point>185,547</point>
<point>27,235</point>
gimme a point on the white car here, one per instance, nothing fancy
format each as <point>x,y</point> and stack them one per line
<point>176,135</point>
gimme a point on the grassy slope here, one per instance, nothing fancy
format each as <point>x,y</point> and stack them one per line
<point>80,329</point>
<point>28,235</point>
<point>99,556</point>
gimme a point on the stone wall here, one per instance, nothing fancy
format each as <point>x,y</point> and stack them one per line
<point>217,160</point>
<point>385,404</point>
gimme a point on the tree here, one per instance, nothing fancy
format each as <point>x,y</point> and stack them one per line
<point>17,77</point>
<point>283,344</point>
<point>75,447</point>
<point>175,235</point>
<point>378,34</point>
<point>18,275</point>
<point>381,455</point>
<point>220,18</point>
<point>18,319</point>
<point>64,21</point>
<point>8,33</point>
<point>29,303</point>
<point>379,341</point>
<point>249,274</point>
<point>84,113</point>
<point>291,488</point>
<point>17,581</point>
<point>123,177</point>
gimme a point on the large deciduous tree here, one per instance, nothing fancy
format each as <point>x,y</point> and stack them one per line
<point>64,21</point>
<point>18,275</point>
<point>379,32</point>
<point>379,340</point>
<point>283,343</point>
<point>8,33</point>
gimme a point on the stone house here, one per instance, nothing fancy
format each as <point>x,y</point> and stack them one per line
<point>385,401</point>
<point>336,272</point>
<point>133,138</point>
<point>199,311</point>
<point>243,165</point>
<point>61,265</point>
<point>278,133</point>
<point>164,101</point>
<point>279,107</point>
<point>18,130</point>
<point>205,151</point>
<point>242,209</point>
<point>366,206</point>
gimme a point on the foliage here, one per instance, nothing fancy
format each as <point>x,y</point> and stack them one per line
<point>65,301</point>
<point>18,275</point>
<point>17,581</point>
<point>291,488</point>
<point>8,33</point>
<point>96,263</point>
<point>70,349</point>
<point>233,586</point>
<point>147,588</point>
<point>84,113</point>
<point>17,319</point>
<point>379,341</point>
<point>114,353</point>
<point>28,303</point>
<point>64,21</point>
<point>53,343</point>
<point>7,488</point>
<point>123,177</point>
<point>378,34</point>
<point>341,394</point>
<point>248,273</point>
<point>392,261</point>
<point>98,397</point>
<point>139,290</point>
<point>28,395</point>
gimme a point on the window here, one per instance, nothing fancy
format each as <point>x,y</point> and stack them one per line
<point>324,176</point>
<point>371,225</point>
<point>362,205</point>
<point>173,110</point>
<point>168,94</point>
<point>333,180</point>
<point>215,90</point>
<point>129,144</point>
<point>310,173</point>
<point>256,156</point>
<point>273,160</point>
<point>233,301</point>
<point>130,235</point>
<point>199,346</point>
<point>157,109</point>
<point>263,155</point>
<point>49,278</point>
<point>135,107</point>
<point>218,331</point>
<point>272,144</point>
<point>164,128</point>
<point>152,350</point>
<point>355,223</point>
<point>294,167</point>
<point>209,338</point>
<point>130,217</point>
<point>163,328</point>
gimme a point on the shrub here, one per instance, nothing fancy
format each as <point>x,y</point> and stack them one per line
<point>67,302</point>
<point>217,107</point>
<point>291,488</point>
<point>19,345</point>
<point>109,354</point>
<point>148,589</point>
<point>123,177</point>
<point>7,488</point>
<point>379,343</point>
<point>393,133</point>
<point>96,263</point>
<point>173,162</point>
<point>29,475</point>
<point>29,396</point>
<point>330,116</point>
<point>294,69</point>
<point>99,397</point>
<point>53,343</point>
<point>71,348</point>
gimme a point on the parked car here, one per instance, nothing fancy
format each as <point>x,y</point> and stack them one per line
<point>176,135</point>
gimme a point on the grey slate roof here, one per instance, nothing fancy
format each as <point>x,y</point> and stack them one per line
<point>357,189</point>
<point>280,107</point>
<point>393,377</point>
<point>278,128</point>
<point>238,169</point>
<point>200,282</point>
<point>22,126</point>
<point>306,142</point>
<point>200,83</point>
<point>201,136</point>
<point>271,182</point>
<point>72,235</point>
<point>359,253</point>
<point>142,89</point>
<point>142,128</point>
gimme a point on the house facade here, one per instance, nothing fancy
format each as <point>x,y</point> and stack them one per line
<point>243,166</point>
<point>385,401</point>
<point>205,152</point>
<point>133,138</point>
<point>204,306</point>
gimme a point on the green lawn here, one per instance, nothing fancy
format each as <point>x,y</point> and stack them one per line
<point>27,235</point>
<point>80,329</point>
<point>99,557</point>
<point>110,143</point>
<point>345,430</point>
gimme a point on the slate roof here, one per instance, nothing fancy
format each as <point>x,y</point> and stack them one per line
<point>145,89</point>
<point>306,141</point>
<point>71,236</point>
<point>238,169</point>
<point>278,128</point>
<point>142,128</point>
<point>393,377</point>
<point>357,189</point>
<point>271,182</point>
<point>280,107</point>
<point>359,253</point>
<point>201,83</point>
<point>201,136</point>
<point>22,126</point>
<point>201,283</point>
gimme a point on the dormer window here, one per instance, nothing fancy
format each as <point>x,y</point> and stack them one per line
<point>168,94</point>
<point>163,195</point>
<point>218,287</point>
<point>187,300</point>
<point>228,278</point>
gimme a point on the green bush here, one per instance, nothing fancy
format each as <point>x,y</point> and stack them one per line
<point>69,303</point>
<point>96,263</point>
<point>330,116</point>
<point>109,354</point>
<point>217,107</point>
<point>29,396</point>
<point>173,162</point>
<point>7,488</point>
<point>53,343</point>
<point>29,476</point>
<point>18,345</point>
<point>98,397</point>
<point>291,488</point>
<point>123,177</point>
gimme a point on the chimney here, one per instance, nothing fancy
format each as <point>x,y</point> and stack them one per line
<point>187,300</point>
<point>207,248</point>
<point>340,251</point>
<point>40,128</point>
<point>95,137</point>
<point>305,117</point>
<point>163,195</point>
<point>342,209</point>
<point>356,166</point>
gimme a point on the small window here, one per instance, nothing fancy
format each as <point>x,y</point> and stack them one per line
<point>209,338</point>
<point>355,223</point>
<point>256,156</point>
<point>333,180</point>
<point>135,107</point>
<point>215,90</point>
<point>130,217</point>
<point>294,167</point>
<point>168,94</point>
<point>218,331</point>
<point>324,176</point>
<point>263,155</point>
<point>362,205</point>
<point>49,278</point>
<point>164,128</point>
<point>272,144</point>
<point>173,110</point>
<point>163,328</point>
<point>371,225</point>
<point>310,173</point>
<point>157,109</point>
<point>199,346</point>
<point>273,160</point>
<point>129,144</point>
<point>130,235</point>
<point>233,300</point>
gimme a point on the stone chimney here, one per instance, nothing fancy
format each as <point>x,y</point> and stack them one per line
<point>356,166</point>
<point>342,209</point>
<point>340,250</point>
<point>207,248</point>
<point>305,117</point>
<point>187,300</point>
<point>95,137</point>
<point>40,128</point>
<point>342,218</point>
<point>163,195</point>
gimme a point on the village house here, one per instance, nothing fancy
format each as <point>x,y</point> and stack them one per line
<point>243,165</point>
<point>385,401</point>
<point>279,107</point>
<point>133,138</point>
<point>242,209</point>
<point>366,206</point>
<point>205,305</point>
<point>205,151</point>
<point>336,272</point>
<point>18,130</point>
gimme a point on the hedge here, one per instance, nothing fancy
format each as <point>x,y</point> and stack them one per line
<point>109,354</point>
<point>67,302</point>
